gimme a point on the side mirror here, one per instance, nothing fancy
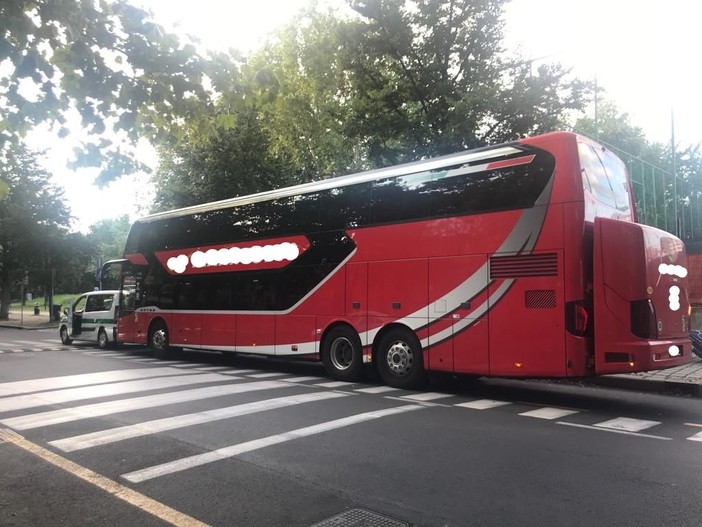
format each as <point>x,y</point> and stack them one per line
<point>65,311</point>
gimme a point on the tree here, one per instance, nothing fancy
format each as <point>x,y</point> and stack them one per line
<point>399,81</point>
<point>432,77</point>
<point>108,237</point>
<point>109,61</point>
<point>33,219</point>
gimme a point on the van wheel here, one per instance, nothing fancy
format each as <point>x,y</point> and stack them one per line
<point>65,339</point>
<point>342,354</point>
<point>158,340</point>
<point>399,359</point>
<point>103,342</point>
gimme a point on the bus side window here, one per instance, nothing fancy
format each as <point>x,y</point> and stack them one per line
<point>617,175</point>
<point>594,173</point>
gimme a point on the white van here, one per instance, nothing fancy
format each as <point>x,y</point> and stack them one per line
<point>91,317</point>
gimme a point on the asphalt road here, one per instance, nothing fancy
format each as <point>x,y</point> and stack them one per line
<point>117,438</point>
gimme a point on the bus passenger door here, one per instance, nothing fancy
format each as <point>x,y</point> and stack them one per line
<point>127,319</point>
<point>186,321</point>
<point>458,336</point>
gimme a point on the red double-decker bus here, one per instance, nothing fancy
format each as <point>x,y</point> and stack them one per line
<point>522,259</point>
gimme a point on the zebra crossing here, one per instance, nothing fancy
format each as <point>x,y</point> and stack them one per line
<point>42,404</point>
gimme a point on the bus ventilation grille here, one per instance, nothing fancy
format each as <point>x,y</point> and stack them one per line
<point>540,299</point>
<point>544,264</point>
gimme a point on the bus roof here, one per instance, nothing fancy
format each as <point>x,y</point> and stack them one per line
<point>478,154</point>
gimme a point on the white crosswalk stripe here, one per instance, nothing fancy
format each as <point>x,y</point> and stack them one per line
<point>335,384</point>
<point>302,379</point>
<point>23,402</point>
<point>113,435</point>
<point>426,396</point>
<point>84,379</point>
<point>378,389</point>
<point>249,446</point>
<point>265,375</point>
<point>482,404</point>
<point>27,422</point>
<point>549,413</point>
<point>627,424</point>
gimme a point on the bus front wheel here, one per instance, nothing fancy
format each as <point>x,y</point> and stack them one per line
<point>342,354</point>
<point>158,340</point>
<point>399,359</point>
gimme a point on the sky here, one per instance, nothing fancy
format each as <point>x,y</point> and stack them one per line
<point>643,53</point>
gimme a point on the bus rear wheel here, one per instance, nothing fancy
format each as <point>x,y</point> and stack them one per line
<point>342,354</point>
<point>399,359</point>
<point>158,340</point>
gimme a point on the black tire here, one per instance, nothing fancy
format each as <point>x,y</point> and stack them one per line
<point>65,339</point>
<point>158,340</point>
<point>103,341</point>
<point>342,354</point>
<point>399,359</point>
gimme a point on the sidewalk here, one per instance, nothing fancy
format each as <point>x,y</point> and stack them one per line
<point>681,380</point>
<point>26,319</point>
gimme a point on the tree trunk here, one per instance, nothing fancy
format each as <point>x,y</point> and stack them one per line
<point>5,298</point>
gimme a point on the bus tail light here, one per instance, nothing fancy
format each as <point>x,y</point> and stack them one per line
<point>577,318</point>
<point>643,319</point>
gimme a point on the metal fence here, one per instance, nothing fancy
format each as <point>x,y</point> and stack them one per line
<point>662,197</point>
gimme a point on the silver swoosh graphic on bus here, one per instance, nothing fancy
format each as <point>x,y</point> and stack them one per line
<point>521,240</point>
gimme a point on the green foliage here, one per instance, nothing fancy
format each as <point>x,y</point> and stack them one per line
<point>108,237</point>
<point>109,61</point>
<point>399,81</point>
<point>33,220</point>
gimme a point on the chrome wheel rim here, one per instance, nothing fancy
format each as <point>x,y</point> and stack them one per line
<point>64,335</point>
<point>102,339</point>
<point>400,358</point>
<point>159,339</point>
<point>341,353</point>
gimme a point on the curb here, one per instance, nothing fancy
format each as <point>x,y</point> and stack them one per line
<point>12,326</point>
<point>648,385</point>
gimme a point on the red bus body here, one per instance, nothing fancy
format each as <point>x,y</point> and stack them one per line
<point>566,285</point>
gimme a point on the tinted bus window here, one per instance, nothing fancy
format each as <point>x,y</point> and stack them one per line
<point>401,198</point>
<point>345,207</point>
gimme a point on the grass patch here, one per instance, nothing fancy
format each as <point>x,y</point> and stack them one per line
<point>64,299</point>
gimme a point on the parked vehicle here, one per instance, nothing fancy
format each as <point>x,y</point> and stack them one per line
<point>92,317</point>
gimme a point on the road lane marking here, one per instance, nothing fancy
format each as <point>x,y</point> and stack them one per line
<point>696,437</point>
<point>134,498</point>
<point>426,396</point>
<point>302,379</point>
<point>85,379</point>
<point>22,402</point>
<point>378,389</point>
<point>214,368</point>
<point>27,422</point>
<point>31,343</point>
<point>693,424</point>
<point>628,424</point>
<point>548,413</point>
<point>249,446</point>
<point>482,404</point>
<point>113,435</point>
<point>335,384</point>
<point>266,375</point>
<point>614,431</point>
